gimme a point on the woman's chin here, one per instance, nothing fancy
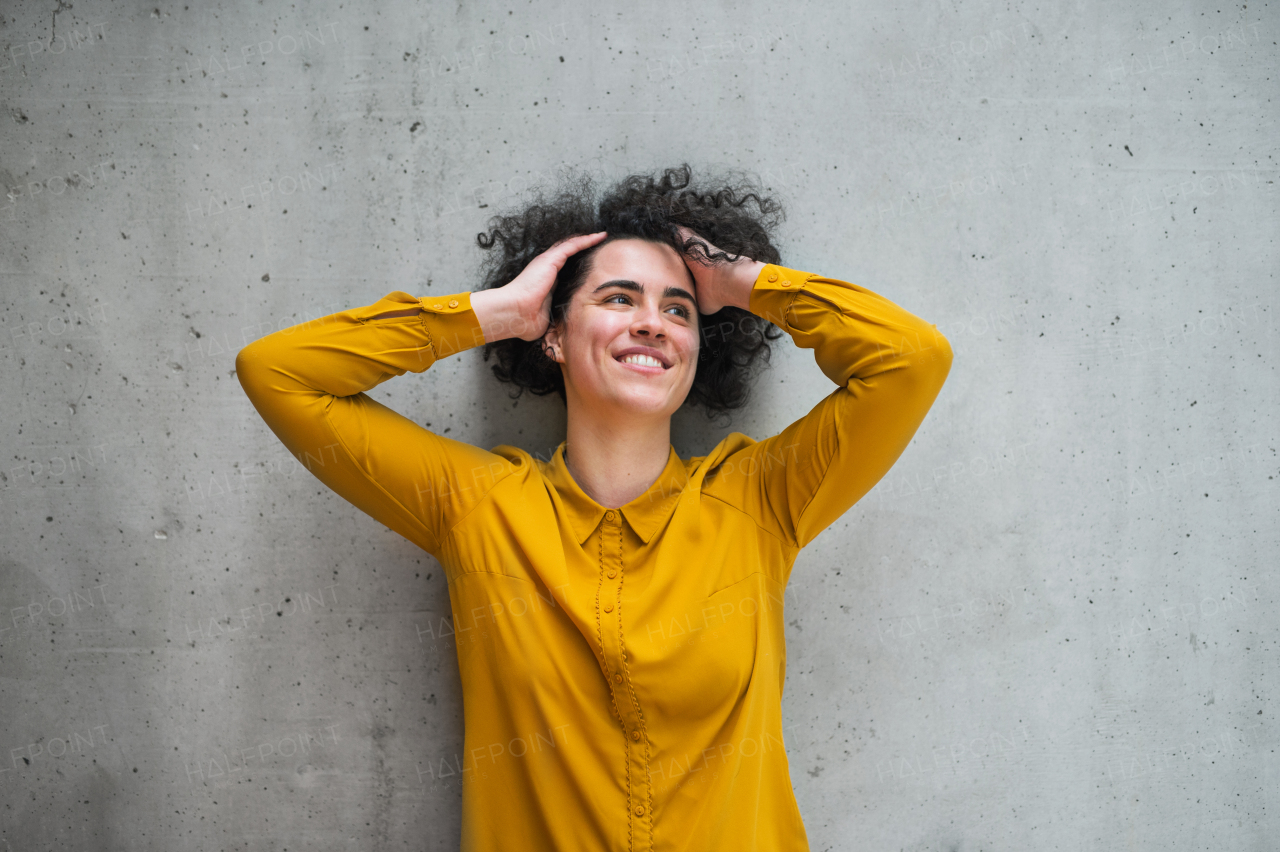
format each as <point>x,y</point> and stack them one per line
<point>645,402</point>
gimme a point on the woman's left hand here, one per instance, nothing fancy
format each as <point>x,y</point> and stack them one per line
<point>720,283</point>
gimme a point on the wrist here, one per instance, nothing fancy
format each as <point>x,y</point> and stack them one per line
<point>499,315</point>
<point>741,282</point>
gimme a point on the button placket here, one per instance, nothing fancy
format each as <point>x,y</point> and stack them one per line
<point>609,599</point>
<point>614,658</point>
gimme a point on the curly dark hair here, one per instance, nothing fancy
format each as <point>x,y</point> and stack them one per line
<point>648,208</point>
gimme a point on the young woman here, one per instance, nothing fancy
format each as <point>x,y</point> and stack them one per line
<point>617,609</point>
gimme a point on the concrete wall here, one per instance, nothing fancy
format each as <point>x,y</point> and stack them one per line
<point>1051,627</point>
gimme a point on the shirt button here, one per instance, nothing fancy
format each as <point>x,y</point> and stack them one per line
<point>612,574</point>
<point>617,678</point>
<point>773,276</point>
<point>635,735</point>
<point>786,283</point>
<point>453,303</point>
<point>609,515</point>
<point>608,607</point>
<point>639,810</point>
<point>436,307</point>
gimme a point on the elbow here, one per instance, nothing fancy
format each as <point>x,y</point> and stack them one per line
<point>245,368</point>
<point>242,361</point>
<point>944,355</point>
<point>935,358</point>
<point>930,364</point>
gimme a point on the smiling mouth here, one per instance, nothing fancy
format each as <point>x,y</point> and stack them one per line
<point>642,361</point>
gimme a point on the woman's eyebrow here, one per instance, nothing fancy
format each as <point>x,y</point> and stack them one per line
<point>668,293</point>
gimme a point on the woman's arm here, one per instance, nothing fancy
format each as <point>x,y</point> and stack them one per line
<point>495,312</point>
<point>308,383</point>
<point>889,366</point>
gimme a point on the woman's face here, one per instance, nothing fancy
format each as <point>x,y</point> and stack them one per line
<point>638,298</point>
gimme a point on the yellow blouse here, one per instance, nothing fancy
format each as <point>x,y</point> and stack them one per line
<point>622,669</point>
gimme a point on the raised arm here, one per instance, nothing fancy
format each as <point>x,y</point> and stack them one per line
<point>308,383</point>
<point>889,366</point>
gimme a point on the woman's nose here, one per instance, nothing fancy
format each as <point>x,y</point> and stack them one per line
<point>647,321</point>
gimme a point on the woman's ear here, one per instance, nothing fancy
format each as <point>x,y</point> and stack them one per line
<point>552,344</point>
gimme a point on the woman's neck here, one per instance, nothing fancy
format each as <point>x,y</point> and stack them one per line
<point>614,466</point>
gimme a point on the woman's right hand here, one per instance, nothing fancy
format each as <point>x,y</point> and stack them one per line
<point>522,308</point>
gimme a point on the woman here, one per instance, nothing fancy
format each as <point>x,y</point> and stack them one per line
<point>617,609</point>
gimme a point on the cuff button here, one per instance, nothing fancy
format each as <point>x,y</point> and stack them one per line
<point>436,307</point>
<point>453,303</point>
<point>773,276</point>
<point>786,283</point>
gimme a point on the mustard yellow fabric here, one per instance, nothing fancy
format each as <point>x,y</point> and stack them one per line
<point>622,668</point>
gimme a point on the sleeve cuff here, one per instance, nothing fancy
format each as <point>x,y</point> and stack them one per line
<point>774,291</point>
<point>451,322</point>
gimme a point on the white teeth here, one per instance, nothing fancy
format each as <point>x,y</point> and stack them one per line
<point>644,360</point>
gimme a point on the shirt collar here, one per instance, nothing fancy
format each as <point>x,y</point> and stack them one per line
<point>645,514</point>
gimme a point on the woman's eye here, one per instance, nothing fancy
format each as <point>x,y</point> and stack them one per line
<point>684,312</point>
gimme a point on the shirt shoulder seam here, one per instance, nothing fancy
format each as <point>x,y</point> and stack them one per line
<point>747,514</point>
<point>488,495</point>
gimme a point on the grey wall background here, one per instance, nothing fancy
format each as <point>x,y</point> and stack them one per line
<point>1052,626</point>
